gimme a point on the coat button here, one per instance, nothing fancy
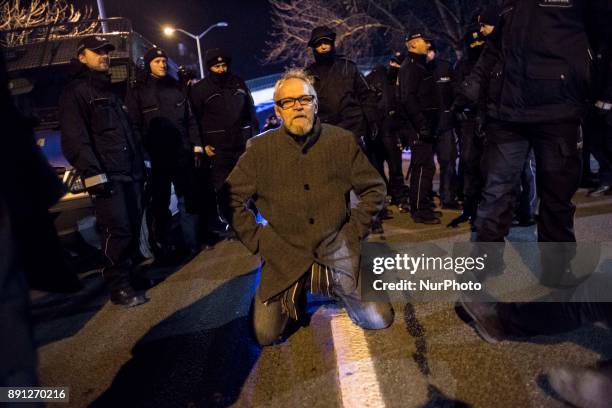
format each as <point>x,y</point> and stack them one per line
<point>306,187</point>
<point>311,220</point>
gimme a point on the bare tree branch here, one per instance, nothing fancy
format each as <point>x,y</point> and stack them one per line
<point>364,27</point>
<point>26,19</point>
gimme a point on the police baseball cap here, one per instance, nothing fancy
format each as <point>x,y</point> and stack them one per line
<point>414,35</point>
<point>95,43</point>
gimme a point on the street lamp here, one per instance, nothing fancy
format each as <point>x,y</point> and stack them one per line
<point>169,31</point>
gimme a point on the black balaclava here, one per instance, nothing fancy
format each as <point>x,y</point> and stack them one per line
<point>219,78</point>
<point>326,58</point>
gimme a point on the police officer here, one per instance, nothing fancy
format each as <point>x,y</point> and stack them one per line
<point>345,99</point>
<point>445,141</point>
<point>225,111</point>
<point>468,129</point>
<point>98,139</point>
<point>417,97</point>
<point>382,81</point>
<point>159,108</point>
<point>537,88</point>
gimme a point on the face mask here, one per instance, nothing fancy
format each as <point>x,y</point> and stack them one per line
<point>326,57</point>
<point>219,77</point>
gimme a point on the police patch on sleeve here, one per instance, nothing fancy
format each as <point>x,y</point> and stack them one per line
<point>556,3</point>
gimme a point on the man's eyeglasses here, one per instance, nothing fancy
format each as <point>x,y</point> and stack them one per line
<point>288,103</point>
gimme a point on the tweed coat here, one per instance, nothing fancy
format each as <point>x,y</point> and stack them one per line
<point>303,191</point>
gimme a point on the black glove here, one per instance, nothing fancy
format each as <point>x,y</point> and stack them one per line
<point>102,190</point>
<point>458,108</point>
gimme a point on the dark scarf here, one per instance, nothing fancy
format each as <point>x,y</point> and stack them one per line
<point>308,140</point>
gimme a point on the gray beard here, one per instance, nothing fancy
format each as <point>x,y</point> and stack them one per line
<point>299,130</point>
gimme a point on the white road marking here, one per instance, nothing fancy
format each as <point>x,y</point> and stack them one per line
<point>356,373</point>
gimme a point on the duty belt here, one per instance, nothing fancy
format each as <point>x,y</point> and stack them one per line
<point>603,105</point>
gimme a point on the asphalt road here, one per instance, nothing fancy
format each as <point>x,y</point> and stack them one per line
<point>191,345</point>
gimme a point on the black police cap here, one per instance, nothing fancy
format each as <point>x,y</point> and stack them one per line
<point>215,56</point>
<point>94,43</point>
<point>490,15</point>
<point>414,35</point>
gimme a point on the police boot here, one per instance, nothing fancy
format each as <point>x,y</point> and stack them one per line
<point>425,217</point>
<point>458,220</point>
<point>127,297</point>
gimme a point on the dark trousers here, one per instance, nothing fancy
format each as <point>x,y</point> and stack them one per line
<point>166,171</point>
<point>221,165</point>
<point>422,171</point>
<point>558,159</point>
<point>471,149</point>
<point>375,151</point>
<point>598,142</point>
<point>393,155</point>
<point>446,152</point>
<point>528,197</point>
<point>119,219</point>
<point>270,323</point>
<point>530,319</point>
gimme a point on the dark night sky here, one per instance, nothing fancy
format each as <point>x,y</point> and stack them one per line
<point>244,39</point>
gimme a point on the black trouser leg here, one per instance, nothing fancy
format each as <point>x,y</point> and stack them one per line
<point>471,155</point>
<point>557,177</point>
<point>394,160</point>
<point>504,156</point>
<point>221,166</point>
<point>530,319</point>
<point>375,151</point>
<point>162,175</point>
<point>118,217</point>
<point>528,198</point>
<point>446,151</point>
<point>595,140</point>
<point>422,170</point>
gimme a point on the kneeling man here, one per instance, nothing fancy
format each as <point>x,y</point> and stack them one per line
<point>300,177</point>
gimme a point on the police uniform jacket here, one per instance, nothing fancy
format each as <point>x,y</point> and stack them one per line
<point>225,113</point>
<point>442,72</point>
<point>302,190</point>
<point>537,67</point>
<point>416,89</point>
<point>345,99</point>
<point>160,110</point>
<point>97,136</point>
